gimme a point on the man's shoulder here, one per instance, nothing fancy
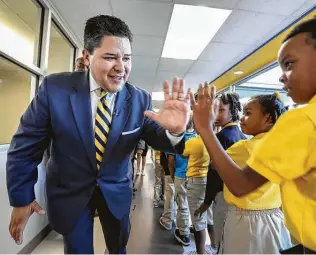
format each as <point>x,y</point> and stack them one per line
<point>66,80</point>
<point>64,76</point>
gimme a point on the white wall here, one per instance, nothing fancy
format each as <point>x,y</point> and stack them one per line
<point>35,224</point>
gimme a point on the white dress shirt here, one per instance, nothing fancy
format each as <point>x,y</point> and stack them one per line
<point>95,96</point>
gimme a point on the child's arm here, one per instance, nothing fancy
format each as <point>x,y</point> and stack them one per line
<point>239,181</point>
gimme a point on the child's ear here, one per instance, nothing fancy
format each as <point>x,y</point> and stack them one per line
<point>269,121</point>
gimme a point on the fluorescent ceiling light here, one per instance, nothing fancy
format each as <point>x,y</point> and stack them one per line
<point>238,72</point>
<point>157,96</point>
<point>191,29</point>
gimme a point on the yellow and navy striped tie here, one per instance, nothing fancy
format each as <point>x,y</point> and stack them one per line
<point>103,121</point>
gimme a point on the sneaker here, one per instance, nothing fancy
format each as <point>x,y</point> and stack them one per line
<point>182,239</point>
<point>156,204</point>
<point>164,224</point>
<point>210,250</point>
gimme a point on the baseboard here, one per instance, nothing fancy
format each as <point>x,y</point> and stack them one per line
<point>30,247</point>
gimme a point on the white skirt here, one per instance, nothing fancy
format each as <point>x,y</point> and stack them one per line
<point>254,232</point>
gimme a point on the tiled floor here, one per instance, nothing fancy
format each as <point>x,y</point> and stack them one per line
<point>147,236</point>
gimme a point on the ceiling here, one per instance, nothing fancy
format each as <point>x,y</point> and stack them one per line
<point>251,23</point>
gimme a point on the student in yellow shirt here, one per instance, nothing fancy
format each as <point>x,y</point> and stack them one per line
<point>287,154</point>
<point>257,215</point>
<point>197,177</point>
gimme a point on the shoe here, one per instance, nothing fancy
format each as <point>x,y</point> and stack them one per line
<point>192,230</point>
<point>134,190</point>
<point>138,173</point>
<point>165,225</point>
<point>182,239</point>
<point>210,250</point>
<point>143,174</point>
<point>156,204</point>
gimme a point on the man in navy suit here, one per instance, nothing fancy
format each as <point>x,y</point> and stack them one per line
<point>65,111</point>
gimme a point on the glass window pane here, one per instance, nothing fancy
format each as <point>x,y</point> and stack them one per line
<point>20,23</point>
<point>264,83</point>
<point>61,52</point>
<point>17,87</point>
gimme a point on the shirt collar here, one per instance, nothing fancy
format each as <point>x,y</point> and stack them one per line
<point>259,136</point>
<point>230,124</point>
<point>95,86</point>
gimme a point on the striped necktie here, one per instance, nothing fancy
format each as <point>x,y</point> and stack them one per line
<point>103,120</point>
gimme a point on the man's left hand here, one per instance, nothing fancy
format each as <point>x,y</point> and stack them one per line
<point>175,114</point>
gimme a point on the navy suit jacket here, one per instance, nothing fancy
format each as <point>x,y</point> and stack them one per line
<point>61,113</point>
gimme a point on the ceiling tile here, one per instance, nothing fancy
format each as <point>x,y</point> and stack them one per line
<point>144,17</point>
<point>224,4</point>
<point>244,27</point>
<point>145,63</point>
<point>206,67</point>
<point>83,10</point>
<point>222,52</point>
<point>176,65</point>
<point>194,79</point>
<point>167,75</point>
<point>281,7</point>
<point>304,8</point>
<point>147,46</point>
<point>163,1</point>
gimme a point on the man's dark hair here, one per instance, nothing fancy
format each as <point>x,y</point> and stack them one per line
<point>308,26</point>
<point>232,99</point>
<point>99,26</point>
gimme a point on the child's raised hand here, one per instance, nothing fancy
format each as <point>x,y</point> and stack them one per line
<point>205,110</point>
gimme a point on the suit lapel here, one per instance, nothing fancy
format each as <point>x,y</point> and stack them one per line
<point>119,120</point>
<point>81,107</point>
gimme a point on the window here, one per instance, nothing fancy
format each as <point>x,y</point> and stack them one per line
<point>264,83</point>
<point>61,52</point>
<point>17,87</point>
<point>20,26</point>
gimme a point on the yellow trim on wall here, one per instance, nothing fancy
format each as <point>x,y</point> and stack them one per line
<point>262,57</point>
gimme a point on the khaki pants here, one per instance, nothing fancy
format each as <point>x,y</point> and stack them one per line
<point>159,179</point>
<point>183,214</point>
<point>220,208</point>
<point>169,205</point>
<point>196,193</point>
<point>254,232</point>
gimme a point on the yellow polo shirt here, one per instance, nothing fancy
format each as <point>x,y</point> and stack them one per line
<point>198,157</point>
<point>267,196</point>
<point>287,156</point>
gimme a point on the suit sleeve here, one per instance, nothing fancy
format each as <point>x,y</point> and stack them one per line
<point>155,136</point>
<point>26,150</point>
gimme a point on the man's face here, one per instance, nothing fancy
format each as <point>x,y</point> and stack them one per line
<point>297,58</point>
<point>110,64</point>
<point>80,66</point>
